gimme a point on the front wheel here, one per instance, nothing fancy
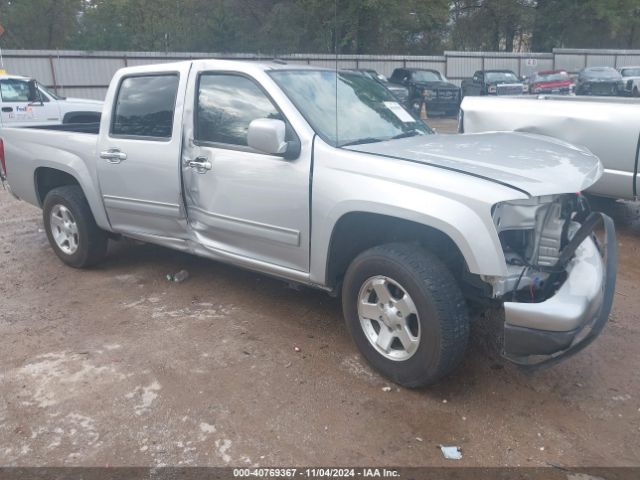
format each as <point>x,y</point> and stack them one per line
<point>405,313</point>
<point>71,228</point>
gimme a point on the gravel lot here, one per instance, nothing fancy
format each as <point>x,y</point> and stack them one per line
<point>118,366</point>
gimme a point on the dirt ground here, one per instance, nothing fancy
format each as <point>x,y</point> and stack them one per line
<point>118,366</point>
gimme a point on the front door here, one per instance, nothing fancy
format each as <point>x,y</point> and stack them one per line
<point>22,105</point>
<point>139,153</point>
<point>242,202</point>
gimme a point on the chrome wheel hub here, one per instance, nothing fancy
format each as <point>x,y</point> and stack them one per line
<point>64,229</point>
<point>389,318</point>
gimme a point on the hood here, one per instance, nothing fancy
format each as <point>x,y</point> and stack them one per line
<point>440,84</point>
<point>84,101</point>
<point>532,163</point>
<point>601,79</point>
<point>508,84</point>
<point>552,84</point>
<point>396,88</point>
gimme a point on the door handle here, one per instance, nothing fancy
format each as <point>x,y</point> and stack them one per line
<point>199,164</point>
<point>7,109</point>
<point>113,155</point>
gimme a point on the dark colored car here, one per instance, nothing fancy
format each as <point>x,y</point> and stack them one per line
<point>602,81</point>
<point>551,81</point>
<point>399,91</point>
<point>493,82</point>
<point>428,87</point>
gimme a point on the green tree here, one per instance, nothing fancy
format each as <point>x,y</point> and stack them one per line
<point>586,24</point>
<point>36,24</point>
<point>494,25</point>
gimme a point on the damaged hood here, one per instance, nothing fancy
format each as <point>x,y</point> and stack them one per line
<point>535,164</point>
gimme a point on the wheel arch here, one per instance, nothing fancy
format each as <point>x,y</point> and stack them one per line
<point>357,231</point>
<point>81,117</point>
<point>48,177</point>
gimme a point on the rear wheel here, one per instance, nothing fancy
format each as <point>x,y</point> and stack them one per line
<point>71,228</point>
<point>405,313</point>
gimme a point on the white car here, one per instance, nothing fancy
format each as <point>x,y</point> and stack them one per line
<point>25,103</point>
<point>631,77</point>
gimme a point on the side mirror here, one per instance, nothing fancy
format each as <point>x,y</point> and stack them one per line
<point>267,135</point>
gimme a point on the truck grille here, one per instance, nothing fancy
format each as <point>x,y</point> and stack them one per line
<point>603,88</point>
<point>447,94</point>
<point>509,90</point>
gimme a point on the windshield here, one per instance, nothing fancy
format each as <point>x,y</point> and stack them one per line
<point>551,77</point>
<point>426,76</point>
<point>366,111</point>
<point>50,93</point>
<point>501,77</point>
<point>631,72</point>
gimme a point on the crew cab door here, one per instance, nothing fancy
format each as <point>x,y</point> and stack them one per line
<point>242,203</point>
<point>139,151</point>
<point>22,104</point>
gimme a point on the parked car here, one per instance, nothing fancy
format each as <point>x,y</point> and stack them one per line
<point>262,166</point>
<point>631,79</point>
<point>428,87</point>
<point>493,82</point>
<point>606,126</point>
<point>399,91</point>
<point>600,81</point>
<point>551,81</point>
<point>25,102</point>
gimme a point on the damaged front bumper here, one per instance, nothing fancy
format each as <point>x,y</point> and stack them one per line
<point>545,333</point>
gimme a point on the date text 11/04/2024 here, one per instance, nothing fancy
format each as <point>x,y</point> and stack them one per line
<point>315,472</point>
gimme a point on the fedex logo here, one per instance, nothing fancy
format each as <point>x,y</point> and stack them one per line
<point>24,109</point>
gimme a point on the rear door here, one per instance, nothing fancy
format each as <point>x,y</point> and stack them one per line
<point>139,152</point>
<point>244,203</point>
<point>22,105</point>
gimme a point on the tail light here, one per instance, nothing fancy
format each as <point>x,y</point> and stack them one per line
<point>3,162</point>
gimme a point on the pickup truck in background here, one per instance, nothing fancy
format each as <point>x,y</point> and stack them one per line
<point>631,79</point>
<point>263,166</point>
<point>608,127</point>
<point>24,102</point>
<point>428,87</point>
<point>493,82</point>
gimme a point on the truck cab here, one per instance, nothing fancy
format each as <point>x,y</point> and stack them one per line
<point>24,102</point>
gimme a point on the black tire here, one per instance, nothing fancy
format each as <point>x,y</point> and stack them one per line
<point>91,240</point>
<point>442,312</point>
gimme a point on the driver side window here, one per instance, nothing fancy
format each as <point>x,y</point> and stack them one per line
<point>227,104</point>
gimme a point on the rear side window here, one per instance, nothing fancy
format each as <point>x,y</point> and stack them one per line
<point>227,104</point>
<point>145,106</point>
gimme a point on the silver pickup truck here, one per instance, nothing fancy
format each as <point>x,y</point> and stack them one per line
<point>321,178</point>
<point>608,127</point>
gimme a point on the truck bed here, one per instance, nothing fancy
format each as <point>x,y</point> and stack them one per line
<point>606,126</point>
<point>93,128</point>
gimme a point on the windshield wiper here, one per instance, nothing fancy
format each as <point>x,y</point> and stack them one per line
<point>410,133</point>
<point>360,141</point>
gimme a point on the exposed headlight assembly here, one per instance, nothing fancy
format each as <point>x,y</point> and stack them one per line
<point>533,233</point>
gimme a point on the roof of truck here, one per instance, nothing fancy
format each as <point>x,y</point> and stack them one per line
<point>8,75</point>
